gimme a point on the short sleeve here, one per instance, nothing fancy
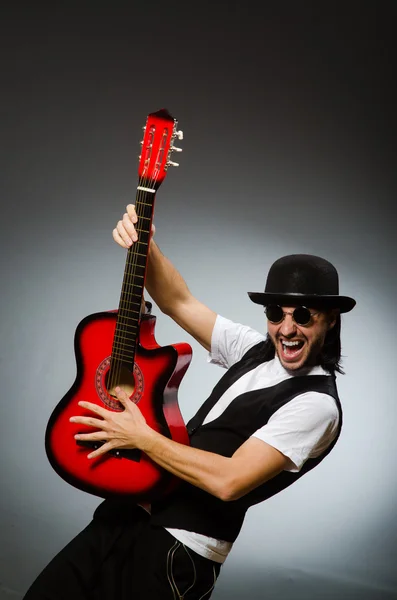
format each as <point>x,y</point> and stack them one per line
<point>303,428</point>
<point>230,341</point>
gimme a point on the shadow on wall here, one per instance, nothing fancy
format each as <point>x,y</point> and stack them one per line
<point>293,585</point>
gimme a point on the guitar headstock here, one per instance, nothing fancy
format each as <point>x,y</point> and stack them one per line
<point>160,132</point>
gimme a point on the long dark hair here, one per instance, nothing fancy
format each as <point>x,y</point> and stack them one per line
<point>330,356</point>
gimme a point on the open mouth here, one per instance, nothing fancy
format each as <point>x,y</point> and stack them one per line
<point>291,350</point>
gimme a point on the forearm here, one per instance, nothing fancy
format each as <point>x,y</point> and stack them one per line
<point>163,282</point>
<point>206,470</point>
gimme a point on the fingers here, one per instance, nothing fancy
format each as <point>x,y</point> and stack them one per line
<point>124,233</point>
<point>130,208</point>
<point>128,221</point>
<point>99,436</point>
<point>101,450</point>
<point>90,421</point>
<point>122,396</point>
<point>118,239</point>
<point>102,412</point>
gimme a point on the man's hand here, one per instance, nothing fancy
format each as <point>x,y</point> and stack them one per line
<point>124,233</point>
<point>125,429</point>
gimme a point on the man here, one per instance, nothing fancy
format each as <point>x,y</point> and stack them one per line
<point>273,417</point>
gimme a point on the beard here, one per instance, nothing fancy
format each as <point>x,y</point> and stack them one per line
<point>312,353</point>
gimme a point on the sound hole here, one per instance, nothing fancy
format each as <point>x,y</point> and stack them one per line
<point>119,377</point>
<point>107,381</point>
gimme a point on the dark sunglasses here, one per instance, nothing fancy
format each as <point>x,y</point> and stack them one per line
<point>301,315</point>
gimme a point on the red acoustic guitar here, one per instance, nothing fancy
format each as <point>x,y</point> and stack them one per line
<point>119,348</point>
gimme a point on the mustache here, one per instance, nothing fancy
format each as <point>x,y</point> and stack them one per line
<point>290,337</point>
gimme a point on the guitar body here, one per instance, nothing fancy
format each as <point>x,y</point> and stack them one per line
<point>153,385</point>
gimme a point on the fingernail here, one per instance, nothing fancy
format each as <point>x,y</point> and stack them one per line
<point>72,419</point>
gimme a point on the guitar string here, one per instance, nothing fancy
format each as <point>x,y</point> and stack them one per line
<point>116,367</point>
<point>141,205</point>
<point>136,264</point>
<point>124,328</point>
<point>119,342</point>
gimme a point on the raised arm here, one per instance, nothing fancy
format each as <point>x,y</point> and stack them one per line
<point>167,287</point>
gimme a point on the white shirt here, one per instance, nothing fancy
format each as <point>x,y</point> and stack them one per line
<point>301,429</point>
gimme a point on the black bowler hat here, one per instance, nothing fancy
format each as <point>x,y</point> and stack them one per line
<point>305,280</point>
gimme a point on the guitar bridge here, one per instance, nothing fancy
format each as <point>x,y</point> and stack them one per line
<point>130,454</point>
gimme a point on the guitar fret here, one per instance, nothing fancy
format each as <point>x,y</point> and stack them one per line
<point>121,346</point>
<point>136,303</point>
<point>135,275</point>
<point>125,335</point>
<point>128,295</point>
<point>123,356</point>
<point>126,301</point>
<point>123,315</point>
<point>123,341</point>
<point>129,318</point>
<point>132,270</point>
<point>122,338</point>
<point>137,264</point>
<point>137,295</point>
<point>124,308</point>
<point>131,294</point>
<point>124,346</point>
<point>130,275</point>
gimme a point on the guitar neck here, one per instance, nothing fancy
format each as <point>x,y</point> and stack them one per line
<point>157,146</point>
<point>129,311</point>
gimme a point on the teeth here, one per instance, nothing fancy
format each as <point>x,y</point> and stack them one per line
<point>289,343</point>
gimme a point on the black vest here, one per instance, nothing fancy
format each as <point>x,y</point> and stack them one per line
<point>194,509</point>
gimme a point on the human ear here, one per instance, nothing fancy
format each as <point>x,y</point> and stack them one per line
<point>333,315</point>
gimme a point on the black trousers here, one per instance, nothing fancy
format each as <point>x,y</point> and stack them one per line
<point>121,556</point>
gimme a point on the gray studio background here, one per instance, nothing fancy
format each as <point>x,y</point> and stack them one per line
<point>289,144</point>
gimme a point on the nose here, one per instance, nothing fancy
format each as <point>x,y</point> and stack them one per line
<point>288,325</point>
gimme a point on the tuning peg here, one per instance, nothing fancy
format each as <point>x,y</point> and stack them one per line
<point>179,134</point>
<point>173,164</point>
<point>176,149</point>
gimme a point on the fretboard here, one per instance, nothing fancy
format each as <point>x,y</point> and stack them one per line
<point>128,318</point>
